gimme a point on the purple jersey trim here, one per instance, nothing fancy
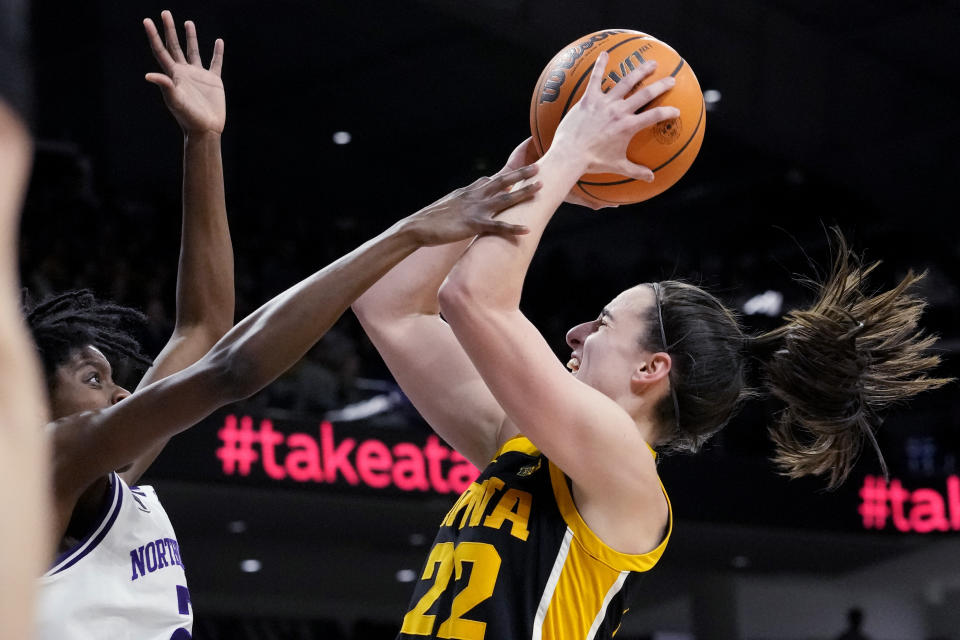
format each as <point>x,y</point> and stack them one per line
<point>70,557</point>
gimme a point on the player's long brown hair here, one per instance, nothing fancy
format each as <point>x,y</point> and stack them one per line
<point>837,366</point>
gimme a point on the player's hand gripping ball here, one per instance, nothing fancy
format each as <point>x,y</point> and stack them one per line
<point>668,148</point>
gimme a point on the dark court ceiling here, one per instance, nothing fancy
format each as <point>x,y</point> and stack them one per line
<point>831,113</point>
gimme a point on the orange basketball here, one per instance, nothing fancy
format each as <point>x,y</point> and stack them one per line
<point>668,148</point>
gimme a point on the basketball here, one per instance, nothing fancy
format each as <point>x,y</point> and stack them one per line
<point>668,148</point>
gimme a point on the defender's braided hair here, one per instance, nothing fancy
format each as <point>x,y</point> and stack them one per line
<point>69,321</point>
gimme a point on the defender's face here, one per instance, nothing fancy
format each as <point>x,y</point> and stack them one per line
<point>84,383</point>
<point>607,351</point>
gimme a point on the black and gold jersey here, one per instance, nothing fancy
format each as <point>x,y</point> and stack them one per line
<point>514,560</point>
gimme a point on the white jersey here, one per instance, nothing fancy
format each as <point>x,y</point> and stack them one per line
<point>124,581</point>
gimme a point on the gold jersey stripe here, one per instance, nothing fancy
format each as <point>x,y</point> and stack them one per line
<point>602,613</point>
<point>591,542</point>
<point>546,598</point>
<point>517,443</point>
<point>585,588</point>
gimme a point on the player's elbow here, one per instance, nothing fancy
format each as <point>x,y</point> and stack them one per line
<point>456,297</point>
<point>234,374</point>
<point>368,308</point>
<point>201,337</point>
<point>218,327</point>
<point>380,306</point>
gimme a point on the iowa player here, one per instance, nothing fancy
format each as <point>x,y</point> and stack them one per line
<point>514,555</point>
<point>569,509</point>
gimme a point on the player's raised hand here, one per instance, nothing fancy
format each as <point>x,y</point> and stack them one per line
<point>193,94</point>
<point>472,210</point>
<point>598,129</point>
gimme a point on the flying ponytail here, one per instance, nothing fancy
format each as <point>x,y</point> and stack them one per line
<point>839,365</point>
<point>836,366</point>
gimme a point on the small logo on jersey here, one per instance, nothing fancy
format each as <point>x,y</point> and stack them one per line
<point>137,494</point>
<point>529,470</point>
<point>621,622</point>
<point>668,131</point>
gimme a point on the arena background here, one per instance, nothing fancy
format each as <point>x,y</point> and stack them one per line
<point>830,113</point>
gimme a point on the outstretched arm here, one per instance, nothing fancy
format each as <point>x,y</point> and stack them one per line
<point>24,547</point>
<point>583,431</point>
<point>401,316</point>
<point>205,290</point>
<point>249,356</point>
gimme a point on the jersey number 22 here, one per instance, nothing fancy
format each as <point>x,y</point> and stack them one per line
<point>447,561</point>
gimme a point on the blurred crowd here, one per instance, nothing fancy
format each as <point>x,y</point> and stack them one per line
<point>75,235</point>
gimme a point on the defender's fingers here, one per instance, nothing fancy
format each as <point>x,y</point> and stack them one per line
<point>160,54</point>
<point>502,228</point>
<point>193,50</point>
<point>503,181</point>
<point>216,62</point>
<point>159,79</point>
<point>171,38</point>
<point>510,198</point>
<point>476,184</point>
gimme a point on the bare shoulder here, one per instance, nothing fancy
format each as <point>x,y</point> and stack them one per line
<point>68,455</point>
<point>66,433</point>
<point>632,516</point>
<point>69,441</point>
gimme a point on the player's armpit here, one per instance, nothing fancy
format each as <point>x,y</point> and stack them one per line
<point>583,431</point>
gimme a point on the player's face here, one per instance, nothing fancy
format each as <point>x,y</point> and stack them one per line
<point>607,351</point>
<point>84,383</point>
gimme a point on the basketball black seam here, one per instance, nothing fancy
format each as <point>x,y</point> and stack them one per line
<point>536,112</point>
<point>671,159</point>
<point>580,186</point>
<point>585,74</point>
<point>589,69</point>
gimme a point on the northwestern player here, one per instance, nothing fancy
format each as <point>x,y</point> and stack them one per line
<point>120,574</point>
<point>99,518</point>
<point>569,510</point>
